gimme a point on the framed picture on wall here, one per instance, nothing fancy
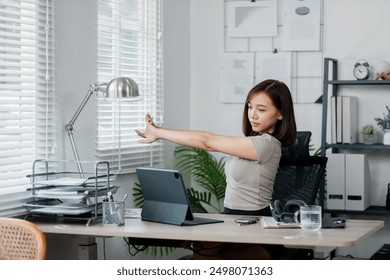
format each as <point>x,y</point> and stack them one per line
<point>275,66</point>
<point>252,19</point>
<point>302,26</point>
<point>236,76</point>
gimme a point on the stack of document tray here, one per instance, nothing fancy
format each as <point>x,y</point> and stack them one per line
<point>59,192</point>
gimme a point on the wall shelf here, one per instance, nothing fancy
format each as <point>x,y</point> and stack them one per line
<point>359,83</point>
<point>370,211</point>
<point>332,83</point>
<point>360,146</point>
<point>331,79</point>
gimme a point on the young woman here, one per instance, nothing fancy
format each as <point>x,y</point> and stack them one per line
<point>268,124</point>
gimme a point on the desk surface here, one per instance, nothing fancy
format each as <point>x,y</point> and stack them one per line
<point>229,231</point>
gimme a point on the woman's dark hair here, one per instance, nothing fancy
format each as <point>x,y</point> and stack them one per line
<point>285,129</point>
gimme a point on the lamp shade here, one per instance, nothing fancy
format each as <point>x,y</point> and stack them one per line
<point>122,87</point>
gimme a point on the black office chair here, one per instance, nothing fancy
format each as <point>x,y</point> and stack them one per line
<point>299,177</point>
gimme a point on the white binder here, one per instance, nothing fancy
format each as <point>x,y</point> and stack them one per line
<point>335,181</point>
<point>357,182</point>
<point>349,119</point>
<point>339,119</point>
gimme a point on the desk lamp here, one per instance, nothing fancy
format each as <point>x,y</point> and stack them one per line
<point>120,89</point>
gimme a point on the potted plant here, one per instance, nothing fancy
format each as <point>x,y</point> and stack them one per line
<point>368,134</point>
<point>385,125</point>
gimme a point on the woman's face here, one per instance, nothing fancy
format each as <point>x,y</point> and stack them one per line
<point>262,113</point>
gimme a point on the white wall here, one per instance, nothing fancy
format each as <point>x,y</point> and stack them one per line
<point>177,72</point>
<point>75,70</point>
<point>351,30</point>
<point>193,40</point>
<point>207,44</point>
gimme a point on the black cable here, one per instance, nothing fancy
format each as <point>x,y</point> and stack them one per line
<point>136,248</point>
<point>104,248</point>
<point>198,248</point>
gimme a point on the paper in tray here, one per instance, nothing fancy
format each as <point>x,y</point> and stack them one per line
<point>64,210</point>
<point>71,181</point>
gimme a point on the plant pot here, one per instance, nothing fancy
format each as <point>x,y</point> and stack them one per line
<point>386,137</point>
<point>368,139</point>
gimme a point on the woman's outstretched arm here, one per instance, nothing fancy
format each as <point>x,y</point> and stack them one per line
<point>232,145</point>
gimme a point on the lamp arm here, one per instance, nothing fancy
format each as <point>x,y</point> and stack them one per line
<point>69,127</point>
<point>75,152</point>
<point>79,109</point>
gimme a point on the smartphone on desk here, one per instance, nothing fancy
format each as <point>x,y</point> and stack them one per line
<point>333,223</point>
<point>246,220</point>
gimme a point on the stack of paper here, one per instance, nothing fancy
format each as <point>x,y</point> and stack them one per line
<point>270,222</point>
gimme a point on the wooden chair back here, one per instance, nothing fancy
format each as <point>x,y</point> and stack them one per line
<point>21,240</point>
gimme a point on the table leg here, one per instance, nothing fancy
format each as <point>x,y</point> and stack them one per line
<point>87,248</point>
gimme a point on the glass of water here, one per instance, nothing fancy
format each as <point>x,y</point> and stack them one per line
<point>310,217</point>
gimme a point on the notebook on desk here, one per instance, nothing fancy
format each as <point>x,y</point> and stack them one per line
<point>165,198</point>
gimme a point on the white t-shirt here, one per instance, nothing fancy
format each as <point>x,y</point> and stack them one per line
<point>249,184</point>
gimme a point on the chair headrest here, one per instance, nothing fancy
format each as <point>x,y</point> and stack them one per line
<point>300,149</point>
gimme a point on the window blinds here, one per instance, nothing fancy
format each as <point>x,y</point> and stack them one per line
<point>27,123</point>
<point>129,44</point>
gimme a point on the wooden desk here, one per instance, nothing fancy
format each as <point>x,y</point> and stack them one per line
<point>229,231</point>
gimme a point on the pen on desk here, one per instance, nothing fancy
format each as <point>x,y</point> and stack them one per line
<point>124,198</point>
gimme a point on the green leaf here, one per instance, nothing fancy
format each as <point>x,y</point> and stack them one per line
<point>196,198</point>
<point>138,197</point>
<point>206,170</point>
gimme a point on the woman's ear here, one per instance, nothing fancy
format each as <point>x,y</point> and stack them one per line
<point>280,117</point>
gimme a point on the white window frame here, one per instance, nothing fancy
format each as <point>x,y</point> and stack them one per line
<point>129,44</point>
<point>27,108</point>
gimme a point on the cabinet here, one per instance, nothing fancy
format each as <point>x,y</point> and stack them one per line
<point>332,83</point>
<point>60,192</point>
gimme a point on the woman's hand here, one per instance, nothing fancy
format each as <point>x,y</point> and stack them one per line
<point>149,135</point>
